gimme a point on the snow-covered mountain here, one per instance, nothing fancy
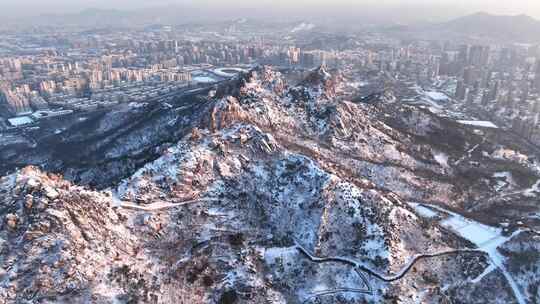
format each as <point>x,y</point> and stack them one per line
<point>278,193</point>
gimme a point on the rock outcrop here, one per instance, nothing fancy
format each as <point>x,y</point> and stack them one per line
<point>276,194</point>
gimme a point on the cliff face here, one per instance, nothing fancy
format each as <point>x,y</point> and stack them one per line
<point>277,194</point>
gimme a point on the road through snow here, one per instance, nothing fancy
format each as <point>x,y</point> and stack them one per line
<point>486,238</point>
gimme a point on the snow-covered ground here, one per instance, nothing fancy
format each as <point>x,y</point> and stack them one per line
<point>486,238</point>
<point>505,179</point>
<point>424,211</point>
<point>533,191</point>
<point>441,158</point>
<point>477,233</point>
<point>478,123</point>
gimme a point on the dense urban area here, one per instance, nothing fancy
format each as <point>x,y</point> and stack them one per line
<point>46,74</point>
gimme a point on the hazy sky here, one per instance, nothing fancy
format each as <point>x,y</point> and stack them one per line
<point>36,7</point>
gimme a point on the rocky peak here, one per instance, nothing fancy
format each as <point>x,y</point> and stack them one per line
<point>318,76</point>
<point>321,84</point>
<point>261,81</point>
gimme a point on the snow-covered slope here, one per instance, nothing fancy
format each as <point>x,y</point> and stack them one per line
<point>280,194</point>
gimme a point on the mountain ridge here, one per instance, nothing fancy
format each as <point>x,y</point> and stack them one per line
<point>280,193</point>
<point>480,26</point>
<point>514,27</point>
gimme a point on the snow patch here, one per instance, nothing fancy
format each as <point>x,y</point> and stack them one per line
<point>441,158</point>
<point>478,123</point>
<point>533,191</point>
<point>424,211</point>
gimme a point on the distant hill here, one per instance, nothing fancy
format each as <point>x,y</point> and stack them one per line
<point>503,28</point>
<point>521,28</point>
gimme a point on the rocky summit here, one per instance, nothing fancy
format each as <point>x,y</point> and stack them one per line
<point>277,191</point>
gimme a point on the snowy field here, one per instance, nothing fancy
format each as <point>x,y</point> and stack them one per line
<point>477,233</point>
<point>424,211</point>
<point>486,239</point>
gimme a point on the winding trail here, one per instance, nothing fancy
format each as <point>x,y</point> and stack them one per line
<point>160,206</point>
<point>471,230</point>
<point>488,248</point>
<point>391,278</point>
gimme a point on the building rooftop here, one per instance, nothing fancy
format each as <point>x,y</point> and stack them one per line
<point>20,121</point>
